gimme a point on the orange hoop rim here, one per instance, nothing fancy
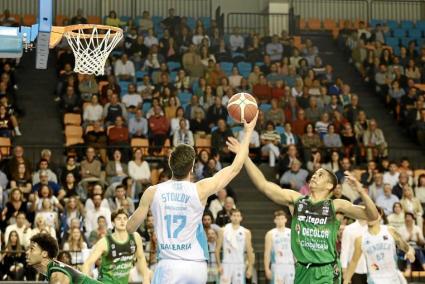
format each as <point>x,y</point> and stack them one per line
<point>57,32</point>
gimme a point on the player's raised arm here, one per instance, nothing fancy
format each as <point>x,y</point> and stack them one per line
<point>141,212</point>
<point>99,248</point>
<point>366,212</point>
<point>220,180</point>
<point>354,260</point>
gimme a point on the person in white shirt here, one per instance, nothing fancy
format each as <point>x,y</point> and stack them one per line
<point>97,190</point>
<point>93,214</point>
<point>217,204</point>
<point>183,135</point>
<point>236,78</point>
<point>199,35</point>
<point>413,235</point>
<point>387,200</point>
<point>150,39</point>
<point>139,171</point>
<point>22,227</point>
<point>132,100</point>
<point>138,125</point>
<point>376,189</point>
<point>279,263</point>
<point>391,177</point>
<point>124,69</point>
<point>92,112</point>
<point>236,40</point>
<point>349,236</point>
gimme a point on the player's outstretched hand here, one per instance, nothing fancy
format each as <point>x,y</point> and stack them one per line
<point>249,126</point>
<point>353,182</point>
<point>248,273</point>
<point>410,255</point>
<point>233,145</point>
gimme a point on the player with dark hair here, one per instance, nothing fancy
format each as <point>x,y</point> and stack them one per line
<point>379,248</point>
<point>41,254</point>
<point>177,206</point>
<point>279,263</point>
<point>314,226</point>
<point>118,251</point>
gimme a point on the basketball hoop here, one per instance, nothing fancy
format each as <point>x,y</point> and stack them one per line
<point>91,45</point>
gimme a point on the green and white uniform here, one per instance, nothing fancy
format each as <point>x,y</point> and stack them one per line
<point>314,230</point>
<point>117,261</point>
<point>74,276</point>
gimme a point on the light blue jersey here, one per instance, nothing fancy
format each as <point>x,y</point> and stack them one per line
<point>177,213</point>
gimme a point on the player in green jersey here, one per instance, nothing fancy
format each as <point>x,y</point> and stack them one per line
<point>118,251</point>
<point>40,255</point>
<point>314,226</point>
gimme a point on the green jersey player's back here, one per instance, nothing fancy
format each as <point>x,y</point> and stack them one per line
<point>314,231</point>
<point>74,276</point>
<point>117,262</point>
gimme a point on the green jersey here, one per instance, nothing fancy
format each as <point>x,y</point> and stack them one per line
<point>117,261</point>
<point>314,230</point>
<point>74,276</point>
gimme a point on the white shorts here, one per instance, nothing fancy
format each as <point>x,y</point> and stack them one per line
<point>170,271</point>
<point>283,273</point>
<point>388,278</point>
<point>233,274</point>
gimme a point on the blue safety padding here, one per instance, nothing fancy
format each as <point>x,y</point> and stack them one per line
<point>45,15</point>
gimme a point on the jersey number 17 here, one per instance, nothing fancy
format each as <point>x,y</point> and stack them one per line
<point>179,221</point>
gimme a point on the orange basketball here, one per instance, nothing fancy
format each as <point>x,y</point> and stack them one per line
<point>242,106</point>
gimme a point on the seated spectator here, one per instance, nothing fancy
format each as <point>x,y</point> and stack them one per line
<point>132,100</point>
<point>145,23</point>
<point>254,144</point>
<point>21,179</point>
<point>69,188</point>
<point>274,49</point>
<point>413,205</point>
<point>46,192</point>
<point>199,125</point>
<point>396,219</point>
<point>199,35</point>
<point>182,81</point>
<point>6,125</point>
<point>73,209</point>
<point>206,56</point>
<point>332,139</point>
<point>44,181</point>
<point>223,216</point>
<point>138,125</point>
<point>361,125</point>
<point>333,164</point>
<point>202,161</point>
<point>101,231</point>
<point>191,62</point>
<point>210,169</point>
<point>294,178</point>
<point>87,86</point>
<point>79,19</point>
<point>70,167</point>
<point>92,112</point>
<point>112,19</point>
<point>254,76</point>
<point>192,107</point>
<point>40,226</point>
<point>171,107</point>
<point>155,103</point>
<point>413,235</point>
<point>270,140</point>
<point>279,90</point>
<point>124,68</point>
<point>273,76</point>
<point>403,181</point>
<point>262,90</point>
<point>93,214</point>
<point>349,141</point>
<point>116,170</point>
<point>151,39</point>
<point>207,98</point>
<point>70,102</point>
<point>313,112</point>
<point>219,138</point>
<point>315,161</point>
<point>218,204</point>
<point>159,127</point>
<point>208,221</point>
<point>299,124</point>
<point>216,112</point>
<point>113,109</point>
<point>76,245</point>
<point>310,140</point>
<point>237,41</point>
<point>43,165</point>
<point>387,200</point>
<point>183,135</point>
<point>13,206</point>
<point>420,128</point>
<point>377,187</point>
<point>275,114</point>
<point>413,71</point>
<point>139,171</point>
<point>322,125</point>
<point>119,198</point>
<point>97,138</point>
<point>49,214</point>
<point>13,259</point>
<point>223,88</point>
<point>7,20</point>
<point>90,166</point>
<point>118,134</point>
<point>235,78</point>
<point>420,189</point>
<point>392,175</point>
<point>337,193</point>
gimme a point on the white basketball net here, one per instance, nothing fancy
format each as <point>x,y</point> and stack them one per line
<point>92,51</point>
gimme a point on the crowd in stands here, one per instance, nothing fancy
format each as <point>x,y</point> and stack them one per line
<point>169,83</point>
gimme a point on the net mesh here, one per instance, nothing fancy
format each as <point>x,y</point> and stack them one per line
<point>91,48</point>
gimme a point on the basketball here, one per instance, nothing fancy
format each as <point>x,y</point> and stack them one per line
<point>242,106</point>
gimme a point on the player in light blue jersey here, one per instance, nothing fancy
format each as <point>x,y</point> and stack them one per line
<point>177,207</point>
<point>379,248</point>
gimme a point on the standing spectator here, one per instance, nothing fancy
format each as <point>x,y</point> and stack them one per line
<point>159,127</point>
<point>79,18</point>
<point>139,171</point>
<point>172,22</point>
<point>90,167</point>
<point>237,41</point>
<point>124,69</point>
<point>274,49</point>
<point>387,200</point>
<point>138,125</point>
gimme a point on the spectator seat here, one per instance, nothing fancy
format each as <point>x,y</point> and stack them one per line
<point>399,33</point>
<point>72,119</point>
<point>392,24</point>
<point>265,107</point>
<point>184,97</point>
<point>329,24</point>
<point>141,143</point>
<point>314,24</point>
<point>94,20</point>
<point>406,24</point>
<point>415,33</point>
<point>140,74</point>
<point>392,41</point>
<point>226,67</point>
<point>5,146</point>
<point>28,20</point>
<point>279,129</point>
<point>173,65</point>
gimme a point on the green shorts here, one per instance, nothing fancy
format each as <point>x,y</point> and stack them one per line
<point>324,274</point>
